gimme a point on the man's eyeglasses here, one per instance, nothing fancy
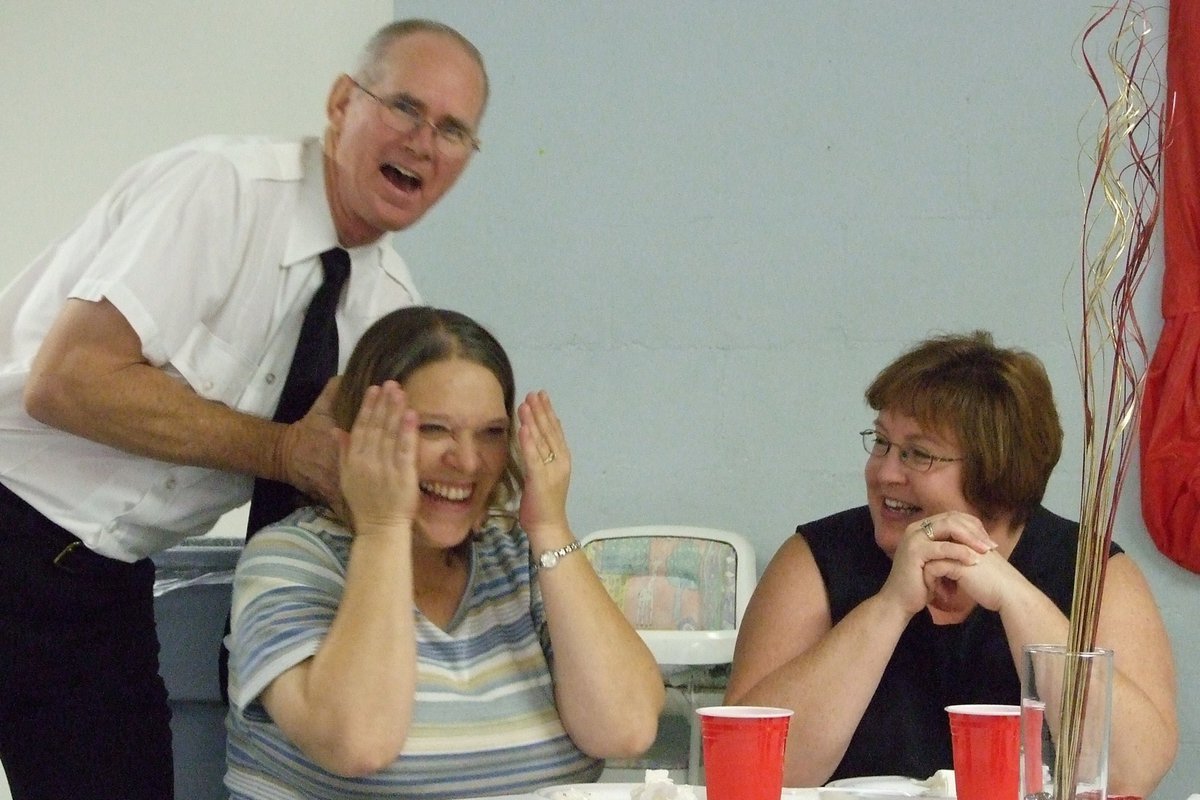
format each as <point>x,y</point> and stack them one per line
<point>878,445</point>
<point>401,114</point>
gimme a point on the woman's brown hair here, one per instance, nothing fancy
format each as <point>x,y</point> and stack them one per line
<point>997,402</point>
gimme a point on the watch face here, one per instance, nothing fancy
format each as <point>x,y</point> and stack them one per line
<point>548,560</point>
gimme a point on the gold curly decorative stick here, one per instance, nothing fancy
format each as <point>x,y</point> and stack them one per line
<point>1111,354</point>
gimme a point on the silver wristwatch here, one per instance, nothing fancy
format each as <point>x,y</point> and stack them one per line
<point>551,557</point>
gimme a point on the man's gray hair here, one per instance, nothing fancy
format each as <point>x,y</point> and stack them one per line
<point>375,50</point>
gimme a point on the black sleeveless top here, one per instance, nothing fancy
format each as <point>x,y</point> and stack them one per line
<point>905,730</point>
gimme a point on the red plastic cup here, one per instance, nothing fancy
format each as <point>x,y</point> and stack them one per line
<point>986,740</point>
<point>743,751</point>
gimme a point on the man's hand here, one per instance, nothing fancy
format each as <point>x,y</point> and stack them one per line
<point>306,455</point>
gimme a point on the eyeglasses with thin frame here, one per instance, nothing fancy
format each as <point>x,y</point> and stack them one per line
<point>405,116</point>
<point>877,446</point>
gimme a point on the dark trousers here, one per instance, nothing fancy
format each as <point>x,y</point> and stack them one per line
<point>83,710</point>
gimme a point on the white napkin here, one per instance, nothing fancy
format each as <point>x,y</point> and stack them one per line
<point>941,783</point>
<point>659,786</point>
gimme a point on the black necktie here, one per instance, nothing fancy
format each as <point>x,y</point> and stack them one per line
<point>313,364</point>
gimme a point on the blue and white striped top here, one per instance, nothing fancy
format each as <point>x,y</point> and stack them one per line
<point>484,722</point>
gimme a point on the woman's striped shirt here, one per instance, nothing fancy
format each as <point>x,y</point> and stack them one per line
<point>484,721</point>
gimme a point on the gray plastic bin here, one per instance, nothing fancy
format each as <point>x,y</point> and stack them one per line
<point>192,589</point>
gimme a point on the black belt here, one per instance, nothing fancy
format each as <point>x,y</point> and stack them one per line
<point>64,549</point>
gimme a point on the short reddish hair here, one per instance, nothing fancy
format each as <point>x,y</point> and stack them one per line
<point>997,402</point>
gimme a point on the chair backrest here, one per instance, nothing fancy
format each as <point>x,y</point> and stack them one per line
<point>684,588</point>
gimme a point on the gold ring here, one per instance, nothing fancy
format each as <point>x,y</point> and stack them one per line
<point>548,459</point>
<point>927,527</point>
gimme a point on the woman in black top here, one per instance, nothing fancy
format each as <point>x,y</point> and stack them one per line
<point>869,622</point>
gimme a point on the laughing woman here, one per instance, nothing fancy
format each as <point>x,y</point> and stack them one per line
<point>869,622</point>
<point>414,642</point>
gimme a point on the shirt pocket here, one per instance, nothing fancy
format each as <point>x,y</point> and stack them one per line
<point>215,368</point>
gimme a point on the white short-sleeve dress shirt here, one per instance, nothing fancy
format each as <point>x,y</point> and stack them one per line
<point>211,251</point>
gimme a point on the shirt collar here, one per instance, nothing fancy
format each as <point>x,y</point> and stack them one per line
<point>312,231</point>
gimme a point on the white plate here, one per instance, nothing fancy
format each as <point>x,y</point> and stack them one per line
<point>601,791</point>
<point>622,791</point>
<point>893,785</point>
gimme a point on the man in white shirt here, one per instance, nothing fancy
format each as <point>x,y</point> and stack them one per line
<point>141,360</point>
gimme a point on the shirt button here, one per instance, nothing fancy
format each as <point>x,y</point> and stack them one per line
<point>170,484</point>
<point>270,378</point>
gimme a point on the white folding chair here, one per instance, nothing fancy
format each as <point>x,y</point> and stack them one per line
<point>685,590</point>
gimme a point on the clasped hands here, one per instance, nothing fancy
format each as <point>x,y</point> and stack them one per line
<point>944,556</point>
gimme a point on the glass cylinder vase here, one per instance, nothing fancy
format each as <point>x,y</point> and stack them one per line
<point>1066,720</point>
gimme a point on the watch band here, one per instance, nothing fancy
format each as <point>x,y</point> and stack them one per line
<point>550,558</point>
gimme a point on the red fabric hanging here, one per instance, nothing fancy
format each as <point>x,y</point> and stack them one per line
<point>1170,423</point>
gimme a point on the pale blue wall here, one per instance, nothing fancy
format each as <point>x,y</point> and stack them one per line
<point>703,226</point>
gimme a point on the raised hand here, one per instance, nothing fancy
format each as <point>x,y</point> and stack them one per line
<point>547,464</point>
<point>378,463</point>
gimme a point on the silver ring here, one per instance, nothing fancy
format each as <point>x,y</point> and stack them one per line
<point>548,459</point>
<point>927,527</point>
